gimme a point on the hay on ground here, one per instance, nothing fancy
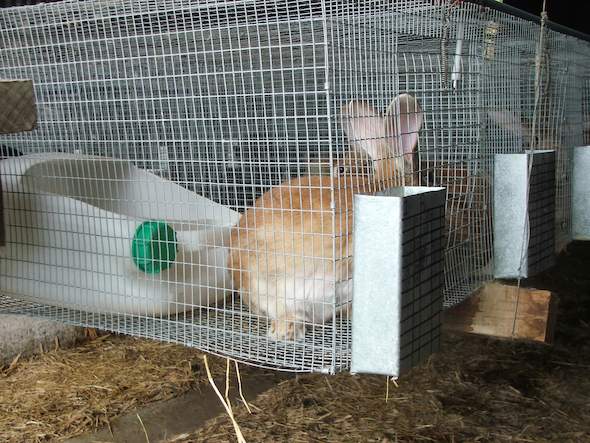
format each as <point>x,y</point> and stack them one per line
<point>474,390</point>
<point>63,393</point>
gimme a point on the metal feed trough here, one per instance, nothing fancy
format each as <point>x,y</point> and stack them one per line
<point>195,165</point>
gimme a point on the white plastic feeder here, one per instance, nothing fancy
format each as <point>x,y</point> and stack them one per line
<point>102,235</point>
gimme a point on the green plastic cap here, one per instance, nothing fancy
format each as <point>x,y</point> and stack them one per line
<point>154,246</point>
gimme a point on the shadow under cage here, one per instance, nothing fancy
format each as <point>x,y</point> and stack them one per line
<point>192,175</point>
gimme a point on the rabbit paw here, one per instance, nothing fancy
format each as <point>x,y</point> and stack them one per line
<point>286,330</point>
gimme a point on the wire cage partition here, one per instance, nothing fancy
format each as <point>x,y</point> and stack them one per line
<point>238,132</point>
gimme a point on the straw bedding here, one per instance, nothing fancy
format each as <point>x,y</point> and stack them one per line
<point>63,393</point>
<point>475,389</point>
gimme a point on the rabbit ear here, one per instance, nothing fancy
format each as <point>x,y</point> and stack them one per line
<point>406,111</point>
<point>364,128</point>
<point>512,122</point>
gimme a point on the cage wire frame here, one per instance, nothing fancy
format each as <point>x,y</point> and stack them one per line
<point>231,99</point>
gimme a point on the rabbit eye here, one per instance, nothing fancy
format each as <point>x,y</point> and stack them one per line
<point>341,169</point>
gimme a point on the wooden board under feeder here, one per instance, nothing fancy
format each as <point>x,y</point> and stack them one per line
<point>505,311</point>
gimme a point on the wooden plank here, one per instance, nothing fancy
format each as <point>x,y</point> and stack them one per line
<point>17,106</point>
<point>505,311</point>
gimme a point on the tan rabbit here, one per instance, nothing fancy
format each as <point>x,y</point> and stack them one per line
<point>290,254</point>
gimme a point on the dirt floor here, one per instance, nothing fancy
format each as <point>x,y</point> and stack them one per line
<point>475,389</point>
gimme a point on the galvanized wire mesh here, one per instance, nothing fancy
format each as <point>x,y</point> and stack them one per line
<point>231,99</point>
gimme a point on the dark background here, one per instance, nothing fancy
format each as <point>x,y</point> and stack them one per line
<point>574,14</point>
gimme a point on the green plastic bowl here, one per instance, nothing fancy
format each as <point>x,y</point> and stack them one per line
<point>154,246</point>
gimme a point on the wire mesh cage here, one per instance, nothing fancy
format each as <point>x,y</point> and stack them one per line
<point>224,141</point>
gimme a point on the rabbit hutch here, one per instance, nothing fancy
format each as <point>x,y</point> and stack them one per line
<point>196,169</point>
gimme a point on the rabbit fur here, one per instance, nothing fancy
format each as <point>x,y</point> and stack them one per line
<point>290,254</point>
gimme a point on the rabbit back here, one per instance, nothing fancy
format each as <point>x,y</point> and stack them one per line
<point>289,251</point>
